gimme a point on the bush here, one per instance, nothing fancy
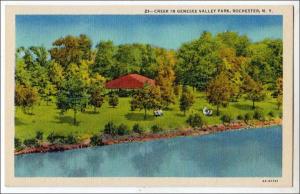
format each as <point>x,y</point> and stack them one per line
<point>137,128</point>
<point>271,114</point>
<point>96,140</point>
<point>110,128</point>
<point>239,117</point>
<point>122,129</point>
<point>226,119</point>
<point>124,93</point>
<point>70,139</point>
<point>39,135</point>
<point>56,139</point>
<point>156,129</point>
<point>18,143</point>
<point>51,137</point>
<point>258,115</point>
<point>195,121</point>
<point>113,100</point>
<point>280,115</point>
<point>30,142</point>
<point>247,117</point>
<point>176,90</point>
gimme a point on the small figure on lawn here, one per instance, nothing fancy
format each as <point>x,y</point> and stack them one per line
<point>158,113</point>
<point>207,112</point>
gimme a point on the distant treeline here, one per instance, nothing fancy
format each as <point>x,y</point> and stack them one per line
<point>197,63</point>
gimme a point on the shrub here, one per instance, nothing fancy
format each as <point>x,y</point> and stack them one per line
<point>226,118</point>
<point>195,121</point>
<point>113,100</point>
<point>30,142</point>
<point>247,117</point>
<point>56,139</point>
<point>271,114</point>
<point>124,93</point>
<point>137,128</point>
<point>176,90</point>
<point>258,115</point>
<point>110,128</point>
<point>280,115</point>
<point>70,139</point>
<point>96,140</point>
<point>239,117</point>
<point>51,137</point>
<point>39,135</point>
<point>18,143</point>
<point>156,129</point>
<point>122,129</point>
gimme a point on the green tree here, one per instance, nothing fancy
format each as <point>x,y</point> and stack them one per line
<point>187,100</point>
<point>195,121</point>
<point>97,98</point>
<point>254,90</point>
<point>165,78</point>
<point>198,61</point>
<point>25,97</point>
<point>96,90</point>
<point>113,100</point>
<point>22,76</point>
<point>71,49</point>
<point>128,60</point>
<point>146,98</point>
<point>56,74</point>
<point>219,91</point>
<point>265,61</point>
<point>104,60</point>
<point>72,96</point>
<point>149,65</point>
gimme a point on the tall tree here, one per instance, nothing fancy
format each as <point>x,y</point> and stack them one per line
<point>219,91</point>
<point>71,49</point>
<point>197,61</point>
<point>72,96</point>
<point>265,61</point>
<point>166,77</point>
<point>254,90</point>
<point>25,97</point>
<point>56,74</point>
<point>186,100</point>
<point>146,98</point>
<point>104,59</point>
<point>128,60</point>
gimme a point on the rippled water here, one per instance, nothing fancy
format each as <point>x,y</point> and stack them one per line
<point>245,153</point>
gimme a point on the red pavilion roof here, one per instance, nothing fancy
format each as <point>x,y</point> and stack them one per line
<point>130,81</point>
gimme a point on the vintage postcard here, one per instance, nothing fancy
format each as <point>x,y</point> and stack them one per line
<point>149,95</point>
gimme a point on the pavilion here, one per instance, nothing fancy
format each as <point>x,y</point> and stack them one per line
<point>130,81</point>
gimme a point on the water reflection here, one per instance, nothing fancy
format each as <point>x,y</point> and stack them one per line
<point>252,153</point>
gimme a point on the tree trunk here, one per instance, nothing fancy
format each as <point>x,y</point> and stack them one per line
<point>145,113</point>
<point>74,122</point>
<point>253,105</point>
<point>218,112</point>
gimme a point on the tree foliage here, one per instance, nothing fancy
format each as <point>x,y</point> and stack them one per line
<point>186,101</point>
<point>219,91</point>
<point>254,90</point>
<point>146,98</point>
<point>25,97</point>
<point>72,96</point>
<point>166,77</point>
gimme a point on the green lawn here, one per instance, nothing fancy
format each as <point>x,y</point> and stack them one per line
<point>47,118</point>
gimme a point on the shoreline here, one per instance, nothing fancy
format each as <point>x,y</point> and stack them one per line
<point>209,129</point>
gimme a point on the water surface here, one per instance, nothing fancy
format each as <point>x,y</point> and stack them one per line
<point>245,153</point>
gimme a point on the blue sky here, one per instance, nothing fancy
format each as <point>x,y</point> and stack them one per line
<point>160,30</point>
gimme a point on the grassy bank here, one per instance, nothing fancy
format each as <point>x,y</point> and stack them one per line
<point>46,118</point>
